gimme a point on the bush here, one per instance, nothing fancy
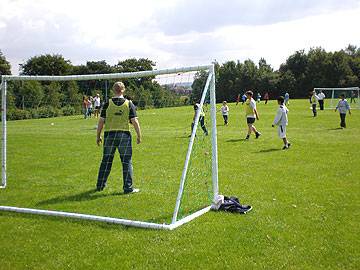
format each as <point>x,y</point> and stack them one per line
<point>17,114</point>
<point>68,110</point>
<point>48,111</point>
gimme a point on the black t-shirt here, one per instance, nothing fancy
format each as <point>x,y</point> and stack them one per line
<point>118,101</point>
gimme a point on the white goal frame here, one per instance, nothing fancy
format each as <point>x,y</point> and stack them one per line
<point>333,99</point>
<point>209,86</point>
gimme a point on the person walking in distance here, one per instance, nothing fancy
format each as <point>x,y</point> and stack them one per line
<point>314,99</point>
<point>321,97</point>
<point>281,120</point>
<point>97,104</point>
<point>343,106</point>
<point>251,113</point>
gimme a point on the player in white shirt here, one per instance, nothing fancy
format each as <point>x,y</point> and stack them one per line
<point>343,106</point>
<point>321,97</point>
<point>225,112</point>
<point>281,120</point>
<point>97,104</point>
<point>251,114</point>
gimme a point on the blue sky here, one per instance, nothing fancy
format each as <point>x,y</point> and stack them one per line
<point>174,33</point>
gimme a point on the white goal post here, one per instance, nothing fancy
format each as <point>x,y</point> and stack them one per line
<point>209,89</point>
<point>352,94</point>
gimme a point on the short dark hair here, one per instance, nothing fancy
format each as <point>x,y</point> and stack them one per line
<point>250,93</point>
<point>281,99</point>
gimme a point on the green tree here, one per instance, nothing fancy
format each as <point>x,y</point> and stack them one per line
<point>198,86</point>
<point>29,95</point>
<point>53,95</point>
<point>46,65</point>
<point>5,67</point>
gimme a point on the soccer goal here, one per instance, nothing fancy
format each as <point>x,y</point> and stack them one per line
<point>50,160</point>
<point>352,94</point>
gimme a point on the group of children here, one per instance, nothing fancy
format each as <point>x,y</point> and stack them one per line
<point>88,108</point>
<point>343,105</point>
<point>281,118</point>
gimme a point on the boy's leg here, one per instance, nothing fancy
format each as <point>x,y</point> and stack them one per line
<point>314,109</point>
<point>125,150</point>
<point>249,131</point>
<point>106,163</point>
<point>342,118</point>
<point>257,133</point>
<point>202,123</point>
<point>282,135</point>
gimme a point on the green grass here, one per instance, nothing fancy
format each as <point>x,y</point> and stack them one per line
<point>305,200</point>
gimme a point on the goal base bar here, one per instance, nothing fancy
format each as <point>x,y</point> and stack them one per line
<point>120,221</point>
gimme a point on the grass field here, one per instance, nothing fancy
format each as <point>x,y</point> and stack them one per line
<point>305,200</point>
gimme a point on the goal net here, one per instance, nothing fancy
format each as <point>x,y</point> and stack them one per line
<point>332,96</point>
<point>52,165</point>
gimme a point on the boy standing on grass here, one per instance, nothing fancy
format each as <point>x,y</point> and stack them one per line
<point>281,120</point>
<point>251,114</point>
<point>313,100</point>
<point>343,106</point>
<point>201,119</point>
<point>287,99</point>
<point>116,116</point>
<point>225,112</point>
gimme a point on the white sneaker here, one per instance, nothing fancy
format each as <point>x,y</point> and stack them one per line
<point>135,190</point>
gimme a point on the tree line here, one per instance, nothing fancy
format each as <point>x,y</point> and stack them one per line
<point>35,99</point>
<point>301,72</point>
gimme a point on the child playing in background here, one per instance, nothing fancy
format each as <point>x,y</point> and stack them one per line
<point>225,112</point>
<point>237,99</point>
<point>314,99</point>
<point>251,114</point>
<point>287,99</point>
<point>266,97</point>
<point>201,119</point>
<point>281,120</point>
<point>343,106</point>
<point>258,97</point>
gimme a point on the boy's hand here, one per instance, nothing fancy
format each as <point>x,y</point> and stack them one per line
<point>98,141</point>
<point>272,125</point>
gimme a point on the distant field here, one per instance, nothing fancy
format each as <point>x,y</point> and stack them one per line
<point>305,200</point>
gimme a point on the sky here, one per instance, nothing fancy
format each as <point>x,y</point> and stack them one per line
<point>174,33</point>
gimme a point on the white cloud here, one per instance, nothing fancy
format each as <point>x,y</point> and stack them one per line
<point>174,33</point>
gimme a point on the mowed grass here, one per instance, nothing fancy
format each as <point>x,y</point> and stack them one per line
<point>305,200</point>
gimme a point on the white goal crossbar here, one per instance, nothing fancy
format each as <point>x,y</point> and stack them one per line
<point>210,86</point>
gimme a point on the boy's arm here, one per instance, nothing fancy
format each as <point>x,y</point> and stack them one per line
<point>256,114</point>
<point>348,107</point>
<point>277,118</point>
<point>99,129</point>
<point>136,125</point>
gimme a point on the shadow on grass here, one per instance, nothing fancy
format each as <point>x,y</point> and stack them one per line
<point>236,140</point>
<point>83,196</point>
<point>269,150</point>
<point>339,128</point>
